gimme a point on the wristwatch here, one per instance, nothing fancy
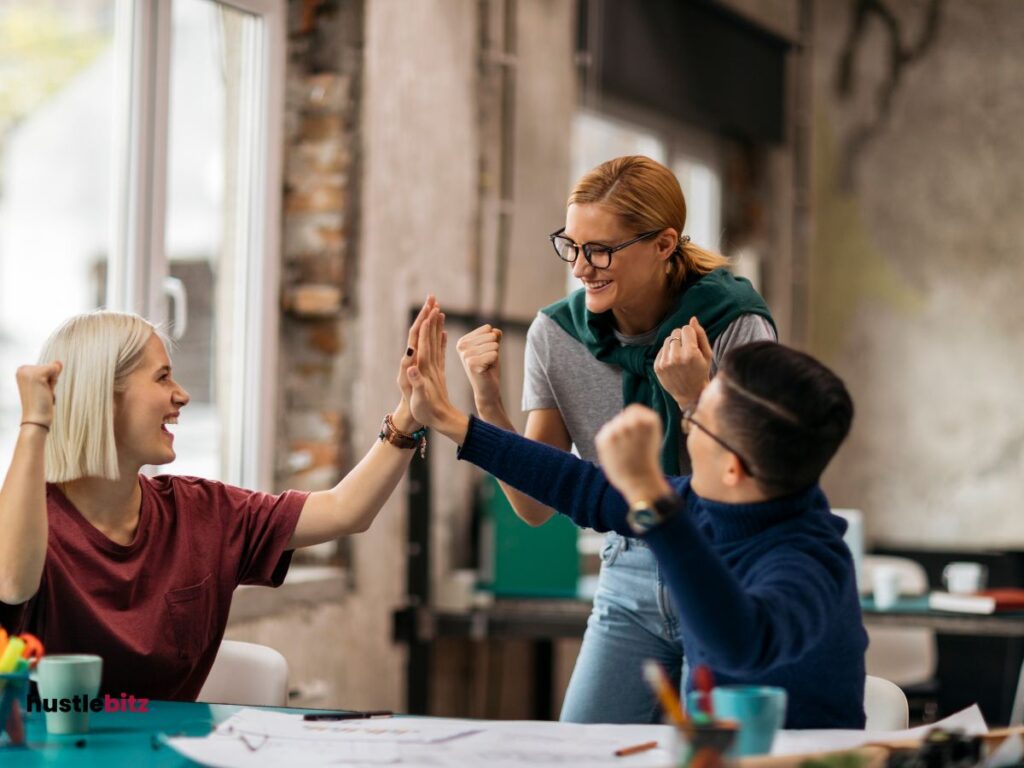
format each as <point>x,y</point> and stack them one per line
<point>644,515</point>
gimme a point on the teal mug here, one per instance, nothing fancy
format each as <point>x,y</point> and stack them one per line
<point>66,683</point>
<point>760,711</point>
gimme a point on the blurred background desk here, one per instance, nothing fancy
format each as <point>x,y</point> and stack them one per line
<point>543,622</point>
<point>914,612</point>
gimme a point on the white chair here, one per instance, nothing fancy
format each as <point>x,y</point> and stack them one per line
<point>908,657</point>
<point>247,674</point>
<point>885,705</point>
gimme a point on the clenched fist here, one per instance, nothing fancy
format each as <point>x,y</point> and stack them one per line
<point>478,351</point>
<point>36,386</point>
<point>684,363</point>
<point>628,448</point>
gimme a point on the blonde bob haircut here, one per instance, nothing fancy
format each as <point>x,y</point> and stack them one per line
<point>647,196</point>
<point>98,351</point>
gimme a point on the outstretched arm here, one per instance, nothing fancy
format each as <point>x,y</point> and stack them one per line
<point>351,506</point>
<point>553,477</point>
<point>578,489</point>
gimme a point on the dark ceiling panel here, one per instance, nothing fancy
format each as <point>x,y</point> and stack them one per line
<point>694,61</point>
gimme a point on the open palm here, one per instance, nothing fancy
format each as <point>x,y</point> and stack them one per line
<point>429,401</point>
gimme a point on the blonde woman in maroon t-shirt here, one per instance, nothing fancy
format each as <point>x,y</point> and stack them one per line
<point>97,558</point>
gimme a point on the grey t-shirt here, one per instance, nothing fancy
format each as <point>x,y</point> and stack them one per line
<point>561,373</point>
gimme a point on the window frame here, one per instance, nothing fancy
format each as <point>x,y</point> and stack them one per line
<point>138,261</point>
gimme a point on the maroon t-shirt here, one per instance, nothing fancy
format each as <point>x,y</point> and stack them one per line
<point>156,610</point>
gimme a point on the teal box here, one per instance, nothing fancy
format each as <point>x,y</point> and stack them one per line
<point>519,560</point>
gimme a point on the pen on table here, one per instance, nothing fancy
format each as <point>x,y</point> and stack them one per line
<point>659,681</point>
<point>348,715</point>
<point>636,749</point>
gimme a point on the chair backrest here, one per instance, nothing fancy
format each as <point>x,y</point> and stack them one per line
<point>905,656</point>
<point>247,674</point>
<point>885,705</point>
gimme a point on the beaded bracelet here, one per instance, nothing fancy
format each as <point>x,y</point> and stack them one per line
<point>389,433</point>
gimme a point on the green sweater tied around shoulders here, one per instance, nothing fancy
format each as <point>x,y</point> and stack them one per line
<point>715,299</point>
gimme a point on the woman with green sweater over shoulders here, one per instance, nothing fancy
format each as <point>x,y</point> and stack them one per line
<point>615,342</point>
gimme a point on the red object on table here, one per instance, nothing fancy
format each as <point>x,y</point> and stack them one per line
<point>704,681</point>
<point>15,726</point>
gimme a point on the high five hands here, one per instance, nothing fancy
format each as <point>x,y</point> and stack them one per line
<point>683,363</point>
<point>402,417</point>
<point>429,400</point>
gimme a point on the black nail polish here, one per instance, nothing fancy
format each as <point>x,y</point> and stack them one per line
<point>408,352</point>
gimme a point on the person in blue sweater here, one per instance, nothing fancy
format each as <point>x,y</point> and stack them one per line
<point>751,554</point>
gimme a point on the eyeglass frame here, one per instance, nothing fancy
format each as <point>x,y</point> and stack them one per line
<point>687,419</point>
<point>609,249</point>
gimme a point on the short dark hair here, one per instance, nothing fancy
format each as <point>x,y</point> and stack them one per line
<point>785,411</point>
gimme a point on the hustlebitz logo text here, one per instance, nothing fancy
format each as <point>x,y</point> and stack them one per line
<point>84,703</point>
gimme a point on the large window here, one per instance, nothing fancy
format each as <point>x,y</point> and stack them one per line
<point>139,159</point>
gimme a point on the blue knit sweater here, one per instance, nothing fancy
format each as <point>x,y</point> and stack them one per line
<point>765,592</point>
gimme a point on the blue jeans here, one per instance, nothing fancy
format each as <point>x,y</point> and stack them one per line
<point>632,620</point>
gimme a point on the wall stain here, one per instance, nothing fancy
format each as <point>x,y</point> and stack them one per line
<point>901,56</point>
<point>848,272</point>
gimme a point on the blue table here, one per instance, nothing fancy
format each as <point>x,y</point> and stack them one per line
<point>121,738</point>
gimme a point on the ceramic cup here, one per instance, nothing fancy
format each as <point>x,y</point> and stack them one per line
<point>962,578</point>
<point>885,581</point>
<point>62,677</point>
<point>760,711</point>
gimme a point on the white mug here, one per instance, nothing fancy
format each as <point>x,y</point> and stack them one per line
<point>886,582</point>
<point>963,578</point>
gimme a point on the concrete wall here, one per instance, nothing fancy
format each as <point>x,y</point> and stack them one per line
<point>393,188</point>
<point>916,270</point>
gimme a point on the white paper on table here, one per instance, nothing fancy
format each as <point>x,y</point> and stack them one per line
<point>255,739</point>
<point>510,744</point>
<point>391,730</point>
<point>969,720</point>
<point>226,752</point>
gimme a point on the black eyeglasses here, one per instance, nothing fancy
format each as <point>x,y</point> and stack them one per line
<point>598,256</point>
<point>688,420</point>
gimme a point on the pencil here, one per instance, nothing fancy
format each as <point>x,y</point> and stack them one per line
<point>662,687</point>
<point>636,749</point>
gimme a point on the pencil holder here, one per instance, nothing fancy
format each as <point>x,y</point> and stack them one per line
<point>13,689</point>
<point>705,745</point>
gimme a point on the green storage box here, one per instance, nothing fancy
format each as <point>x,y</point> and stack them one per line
<point>518,560</point>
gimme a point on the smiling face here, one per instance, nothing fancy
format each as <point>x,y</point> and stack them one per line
<point>149,401</point>
<point>635,286</point>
